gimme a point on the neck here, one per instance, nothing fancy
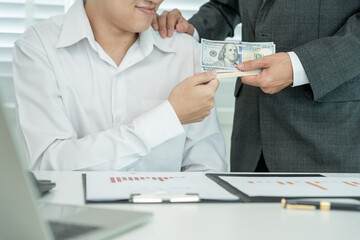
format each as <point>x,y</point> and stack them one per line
<point>113,40</point>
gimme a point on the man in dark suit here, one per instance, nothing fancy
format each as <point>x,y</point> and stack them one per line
<point>281,123</point>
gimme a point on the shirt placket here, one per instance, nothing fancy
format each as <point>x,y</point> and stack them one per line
<point>119,98</point>
<point>119,83</point>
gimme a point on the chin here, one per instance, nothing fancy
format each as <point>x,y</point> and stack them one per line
<point>141,27</point>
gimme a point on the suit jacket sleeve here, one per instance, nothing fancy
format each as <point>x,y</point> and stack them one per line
<point>217,19</point>
<point>332,64</point>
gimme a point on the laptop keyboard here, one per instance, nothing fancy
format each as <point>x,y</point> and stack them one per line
<point>65,231</point>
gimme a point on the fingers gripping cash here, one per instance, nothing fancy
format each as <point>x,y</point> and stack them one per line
<point>193,98</point>
<point>226,56</point>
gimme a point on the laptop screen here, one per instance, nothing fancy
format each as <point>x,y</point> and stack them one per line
<point>17,193</point>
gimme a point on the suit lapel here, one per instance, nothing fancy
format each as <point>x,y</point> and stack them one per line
<point>249,10</point>
<point>264,8</point>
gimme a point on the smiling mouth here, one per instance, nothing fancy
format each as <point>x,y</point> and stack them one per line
<point>147,10</point>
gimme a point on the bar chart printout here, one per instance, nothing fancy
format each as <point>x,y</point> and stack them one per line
<point>103,186</point>
<point>296,186</point>
<point>124,179</point>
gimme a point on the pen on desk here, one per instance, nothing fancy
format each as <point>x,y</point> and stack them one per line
<point>322,205</point>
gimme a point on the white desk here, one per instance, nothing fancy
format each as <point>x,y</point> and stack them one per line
<point>218,220</point>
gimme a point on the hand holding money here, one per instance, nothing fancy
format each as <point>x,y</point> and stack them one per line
<point>223,56</point>
<point>193,98</point>
<point>277,72</point>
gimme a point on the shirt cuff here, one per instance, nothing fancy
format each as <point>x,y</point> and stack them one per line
<point>196,35</point>
<point>300,77</point>
<point>160,124</point>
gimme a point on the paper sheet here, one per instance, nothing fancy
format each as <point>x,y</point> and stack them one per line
<point>296,186</point>
<point>104,186</point>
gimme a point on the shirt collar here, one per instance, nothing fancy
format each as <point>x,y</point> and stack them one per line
<point>150,38</point>
<point>144,46</point>
<point>76,26</point>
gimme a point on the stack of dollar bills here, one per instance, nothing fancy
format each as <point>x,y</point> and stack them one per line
<point>223,56</point>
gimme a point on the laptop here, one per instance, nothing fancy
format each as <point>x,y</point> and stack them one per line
<point>22,214</point>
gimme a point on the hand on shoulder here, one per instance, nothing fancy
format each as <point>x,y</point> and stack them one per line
<point>169,21</point>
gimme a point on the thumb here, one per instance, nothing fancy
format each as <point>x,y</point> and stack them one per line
<point>214,84</point>
<point>155,23</point>
<point>253,64</point>
<point>204,78</point>
<point>182,25</point>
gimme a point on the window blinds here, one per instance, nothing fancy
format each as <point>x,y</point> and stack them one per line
<point>15,17</point>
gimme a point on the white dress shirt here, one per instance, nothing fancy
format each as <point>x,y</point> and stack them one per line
<point>299,74</point>
<point>79,110</point>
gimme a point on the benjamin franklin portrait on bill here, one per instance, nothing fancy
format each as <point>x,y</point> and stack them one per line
<point>228,56</point>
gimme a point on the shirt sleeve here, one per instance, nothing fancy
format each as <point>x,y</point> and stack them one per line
<point>205,146</point>
<point>332,63</point>
<point>51,140</point>
<point>217,19</point>
<point>300,77</point>
<point>196,35</point>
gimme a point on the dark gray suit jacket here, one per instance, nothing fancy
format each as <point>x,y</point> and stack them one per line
<point>310,128</point>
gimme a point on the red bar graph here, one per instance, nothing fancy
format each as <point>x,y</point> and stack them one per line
<point>315,185</point>
<point>132,179</point>
<point>112,180</point>
<point>351,184</point>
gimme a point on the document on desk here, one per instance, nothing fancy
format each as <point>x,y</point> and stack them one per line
<point>117,186</point>
<point>295,186</point>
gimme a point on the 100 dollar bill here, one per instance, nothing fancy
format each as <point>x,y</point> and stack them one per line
<point>223,56</point>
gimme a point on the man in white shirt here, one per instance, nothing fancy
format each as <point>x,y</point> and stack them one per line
<point>98,89</point>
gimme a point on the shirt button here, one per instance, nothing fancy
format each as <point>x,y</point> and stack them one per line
<point>118,119</point>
